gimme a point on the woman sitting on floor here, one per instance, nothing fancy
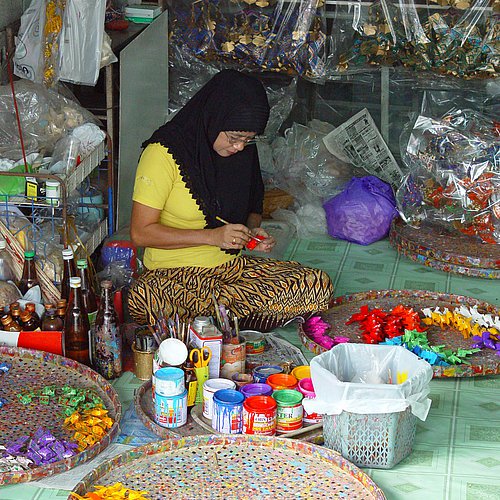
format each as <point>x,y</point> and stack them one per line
<point>197,170</point>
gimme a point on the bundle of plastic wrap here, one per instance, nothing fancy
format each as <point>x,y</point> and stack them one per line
<point>454,178</point>
<point>454,37</point>
<point>272,35</point>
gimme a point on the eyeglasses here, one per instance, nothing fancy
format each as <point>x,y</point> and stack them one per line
<point>237,139</point>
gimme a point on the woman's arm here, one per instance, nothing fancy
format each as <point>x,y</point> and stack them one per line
<point>147,231</point>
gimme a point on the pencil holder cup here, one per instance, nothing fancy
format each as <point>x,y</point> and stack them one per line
<point>143,363</point>
<point>202,376</point>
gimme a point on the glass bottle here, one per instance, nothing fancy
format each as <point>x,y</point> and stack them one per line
<point>51,321</point>
<point>28,322</point>
<point>8,324</point>
<point>69,270</point>
<point>6,264</point>
<point>30,306</point>
<point>76,325</point>
<point>61,308</point>
<point>88,293</point>
<point>29,277</point>
<point>15,312</point>
<point>106,338</point>
<point>191,383</point>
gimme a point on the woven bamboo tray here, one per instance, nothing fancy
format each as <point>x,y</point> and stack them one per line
<point>30,371</point>
<point>216,467</point>
<point>448,251</point>
<point>485,362</point>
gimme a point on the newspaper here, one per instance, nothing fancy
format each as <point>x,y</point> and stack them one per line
<point>358,141</point>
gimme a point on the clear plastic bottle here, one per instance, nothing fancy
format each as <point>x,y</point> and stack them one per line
<point>6,264</point>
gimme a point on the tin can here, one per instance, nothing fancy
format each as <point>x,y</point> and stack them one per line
<point>232,359</point>
<point>290,410</point>
<point>260,373</point>
<point>302,371</point>
<point>279,381</point>
<point>144,340</point>
<point>168,381</point>
<point>227,411</point>
<point>242,379</point>
<point>255,342</point>
<point>171,411</point>
<point>259,416</point>
<point>210,387</point>
<point>307,389</point>
<point>256,390</point>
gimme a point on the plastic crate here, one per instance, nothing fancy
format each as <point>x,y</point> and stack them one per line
<point>377,441</point>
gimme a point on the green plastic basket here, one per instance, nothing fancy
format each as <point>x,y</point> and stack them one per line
<point>377,441</point>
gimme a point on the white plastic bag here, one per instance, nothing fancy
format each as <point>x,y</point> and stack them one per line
<point>333,371</point>
<point>81,41</point>
<point>28,61</point>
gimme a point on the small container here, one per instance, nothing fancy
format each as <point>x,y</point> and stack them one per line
<point>232,359</point>
<point>169,381</point>
<point>259,416</point>
<point>302,371</point>
<point>255,342</point>
<point>210,387</point>
<point>279,381</point>
<point>242,379</point>
<point>260,373</point>
<point>307,389</point>
<point>52,192</point>
<point>290,411</point>
<point>256,390</point>
<point>143,363</point>
<point>171,411</point>
<point>227,411</point>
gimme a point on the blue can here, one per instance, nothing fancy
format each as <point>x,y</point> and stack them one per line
<point>171,411</point>
<point>260,373</point>
<point>227,411</point>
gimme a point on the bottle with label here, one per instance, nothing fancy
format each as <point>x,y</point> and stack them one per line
<point>6,265</point>
<point>191,383</point>
<point>28,322</point>
<point>8,324</point>
<point>76,325</point>
<point>89,297</point>
<point>29,277</point>
<point>51,321</point>
<point>69,270</point>
<point>106,336</point>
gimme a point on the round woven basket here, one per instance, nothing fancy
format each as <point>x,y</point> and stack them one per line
<point>275,198</point>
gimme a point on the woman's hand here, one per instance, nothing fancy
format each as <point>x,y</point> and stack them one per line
<point>231,236</point>
<point>265,245</point>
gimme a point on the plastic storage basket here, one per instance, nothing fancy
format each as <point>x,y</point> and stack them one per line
<point>375,440</point>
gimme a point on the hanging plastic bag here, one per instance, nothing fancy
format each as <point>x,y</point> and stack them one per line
<point>28,61</point>
<point>81,41</point>
<point>362,212</point>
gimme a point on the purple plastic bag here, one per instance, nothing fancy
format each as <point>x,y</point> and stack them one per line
<point>362,212</point>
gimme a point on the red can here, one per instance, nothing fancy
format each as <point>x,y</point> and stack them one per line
<point>254,241</point>
<point>259,416</point>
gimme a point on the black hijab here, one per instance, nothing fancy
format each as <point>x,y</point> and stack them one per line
<point>231,187</point>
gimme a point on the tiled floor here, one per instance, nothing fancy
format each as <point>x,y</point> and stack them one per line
<point>456,453</point>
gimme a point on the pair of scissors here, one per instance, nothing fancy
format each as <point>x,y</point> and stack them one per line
<point>200,357</point>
